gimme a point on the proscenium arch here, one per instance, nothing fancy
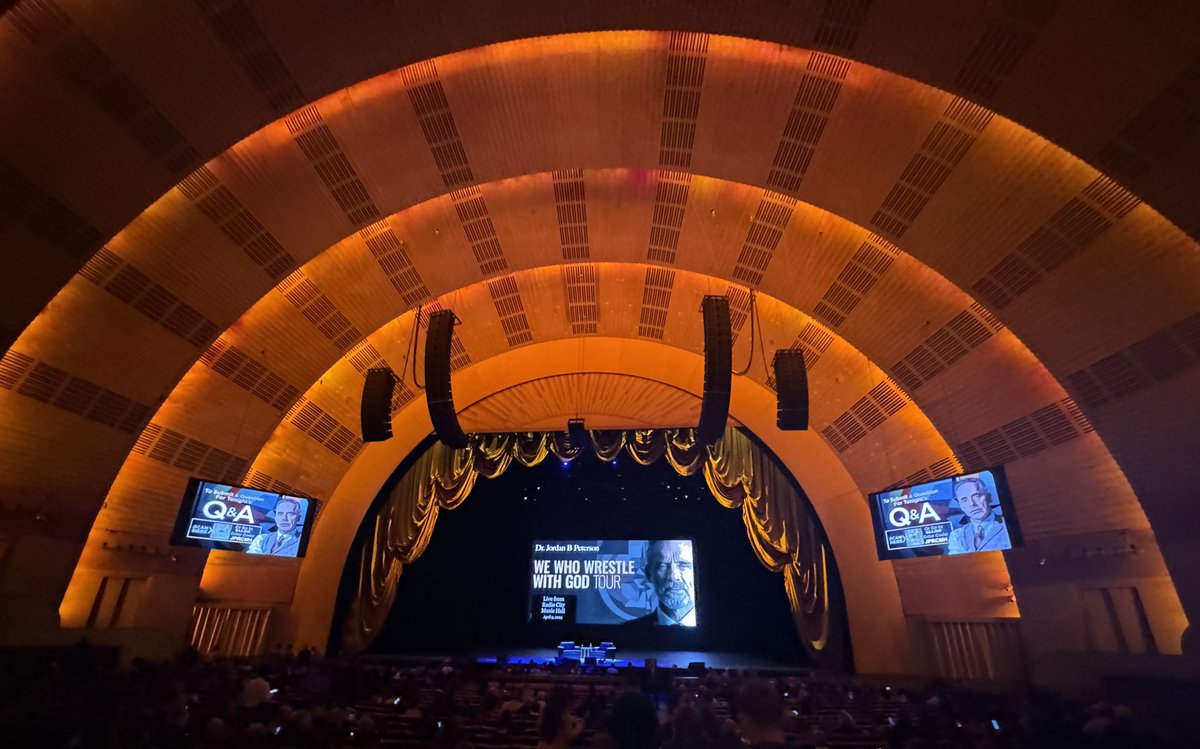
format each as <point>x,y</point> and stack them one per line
<point>869,587</point>
<point>608,193</point>
<point>778,504</point>
<point>336,390</point>
<point>289,444</point>
<point>279,459</point>
<point>247,323</point>
<point>822,260</point>
<point>279,465</point>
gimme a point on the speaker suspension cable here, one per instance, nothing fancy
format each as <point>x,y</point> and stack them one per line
<point>412,355</point>
<point>756,318</point>
<point>408,348</point>
<point>581,379</point>
<point>750,359</point>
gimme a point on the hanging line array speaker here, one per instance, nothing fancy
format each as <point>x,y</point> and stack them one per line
<point>437,380</point>
<point>791,389</point>
<point>377,404</point>
<point>718,369</point>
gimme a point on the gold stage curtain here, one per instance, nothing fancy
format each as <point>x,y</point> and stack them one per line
<point>780,525</point>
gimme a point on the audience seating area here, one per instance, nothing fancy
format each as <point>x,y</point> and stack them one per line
<point>79,697</point>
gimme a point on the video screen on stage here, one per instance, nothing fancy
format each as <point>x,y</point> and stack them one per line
<point>642,583</point>
<point>239,518</point>
<point>956,515</point>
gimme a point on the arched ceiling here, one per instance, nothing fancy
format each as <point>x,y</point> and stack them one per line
<point>282,338</point>
<point>109,107</point>
<point>867,182</point>
<point>611,402</point>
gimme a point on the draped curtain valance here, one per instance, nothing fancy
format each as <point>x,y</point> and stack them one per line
<point>780,524</point>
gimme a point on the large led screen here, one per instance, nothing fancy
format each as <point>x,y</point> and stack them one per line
<point>956,515</point>
<point>239,518</point>
<point>630,583</point>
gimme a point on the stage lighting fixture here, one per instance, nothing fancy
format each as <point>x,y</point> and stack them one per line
<point>577,435</point>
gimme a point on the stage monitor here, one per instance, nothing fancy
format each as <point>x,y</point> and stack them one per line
<point>239,518</point>
<point>631,584</point>
<point>955,515</point>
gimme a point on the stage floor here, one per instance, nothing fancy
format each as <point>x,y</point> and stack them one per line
<point>636,658</point>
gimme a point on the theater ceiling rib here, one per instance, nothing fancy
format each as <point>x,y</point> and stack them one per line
<point>137,96</point>
<point>907,160</point>
<point>939,175</point>
<point>860,412</point>
<point>326,414</point>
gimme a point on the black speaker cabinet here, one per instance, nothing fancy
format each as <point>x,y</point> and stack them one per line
<point>377,404</point>
<point>437,380</point>
<point>791,388</point>
<point>718,369</point>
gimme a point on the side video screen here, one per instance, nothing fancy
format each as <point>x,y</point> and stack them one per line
<point>956,515</point>
<point>239,518</point>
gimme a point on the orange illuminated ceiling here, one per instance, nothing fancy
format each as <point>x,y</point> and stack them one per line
<point>910,236</point>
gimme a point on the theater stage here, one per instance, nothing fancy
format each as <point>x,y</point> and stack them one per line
<point>624,659</point>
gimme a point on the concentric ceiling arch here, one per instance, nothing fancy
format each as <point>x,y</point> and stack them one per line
<point>333,401</point>
<point>351,274</point>
<point>978,199</point>
<point>870,587</point>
